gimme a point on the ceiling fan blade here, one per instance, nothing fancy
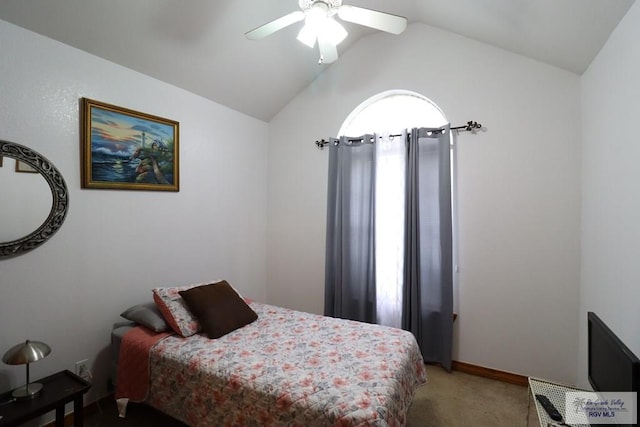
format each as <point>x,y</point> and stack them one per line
<point>275,25</point>
<point>328,50</point>
<point>393,24</point>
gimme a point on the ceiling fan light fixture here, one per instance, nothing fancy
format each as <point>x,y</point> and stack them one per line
<point>334,31</point>
<point>326,27</point>
<point>322,29</point>
<point>317,14</point>
<point>307,35</point>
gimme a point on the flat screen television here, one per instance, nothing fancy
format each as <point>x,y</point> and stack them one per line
<point>611,365</point>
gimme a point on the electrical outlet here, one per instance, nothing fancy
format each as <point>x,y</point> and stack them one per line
<point>82,369</point>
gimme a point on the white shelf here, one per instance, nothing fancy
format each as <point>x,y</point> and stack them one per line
<point>555,393</point>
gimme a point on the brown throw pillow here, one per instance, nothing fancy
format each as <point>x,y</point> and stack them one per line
<point>218,308</point>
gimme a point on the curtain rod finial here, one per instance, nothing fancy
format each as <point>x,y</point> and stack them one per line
<point>473,125</point>
<point>321,143</point>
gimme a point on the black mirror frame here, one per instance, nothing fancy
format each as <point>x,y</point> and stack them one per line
<point>59,193</point>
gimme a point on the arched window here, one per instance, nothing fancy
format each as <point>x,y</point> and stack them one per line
<point>385,114</point>
<point>393,111</point>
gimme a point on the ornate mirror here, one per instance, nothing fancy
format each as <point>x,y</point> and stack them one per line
<point>24,230</point>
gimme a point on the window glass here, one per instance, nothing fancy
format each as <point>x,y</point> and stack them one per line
<point>392,112</point>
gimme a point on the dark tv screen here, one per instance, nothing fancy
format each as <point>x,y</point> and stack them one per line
<point>611,365</point>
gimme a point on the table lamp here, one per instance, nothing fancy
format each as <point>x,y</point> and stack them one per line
<point>25,353</point>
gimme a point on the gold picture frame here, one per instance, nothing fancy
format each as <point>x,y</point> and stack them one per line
<point>123,149</point>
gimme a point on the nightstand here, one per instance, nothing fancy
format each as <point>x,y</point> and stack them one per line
<point>58,389</point>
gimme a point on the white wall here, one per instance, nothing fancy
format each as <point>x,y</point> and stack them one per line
<point>30,200</point>
<point>519,190</point>
<point>611,188</point>
<point>115,246</point>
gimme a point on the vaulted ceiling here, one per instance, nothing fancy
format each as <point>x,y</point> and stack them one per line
<point>199,45</point>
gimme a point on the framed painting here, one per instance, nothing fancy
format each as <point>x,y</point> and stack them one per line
<point>123,149</point>
<point>23,167</point>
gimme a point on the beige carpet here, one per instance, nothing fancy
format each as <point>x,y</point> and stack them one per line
<point>461,400</point>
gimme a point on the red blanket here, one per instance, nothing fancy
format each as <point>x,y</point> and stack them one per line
<point>132,381</point>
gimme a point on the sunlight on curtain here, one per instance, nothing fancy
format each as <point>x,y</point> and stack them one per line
<point>390,113</point>
<point>390,181</point>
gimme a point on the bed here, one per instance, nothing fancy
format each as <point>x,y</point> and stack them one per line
<point>284,368</point>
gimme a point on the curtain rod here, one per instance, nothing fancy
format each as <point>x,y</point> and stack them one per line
<point>469,127</point>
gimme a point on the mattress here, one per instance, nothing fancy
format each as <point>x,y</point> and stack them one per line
<point>287,368</point>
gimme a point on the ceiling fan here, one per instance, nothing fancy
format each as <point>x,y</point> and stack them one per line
<point>320,25</point>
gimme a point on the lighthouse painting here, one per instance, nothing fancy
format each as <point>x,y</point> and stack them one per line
<point>128,150</point>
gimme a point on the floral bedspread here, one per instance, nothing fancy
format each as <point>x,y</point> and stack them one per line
<point>288,368</point>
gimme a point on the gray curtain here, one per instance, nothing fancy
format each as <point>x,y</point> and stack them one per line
<point>428,273</point>
<point>350,282</point>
